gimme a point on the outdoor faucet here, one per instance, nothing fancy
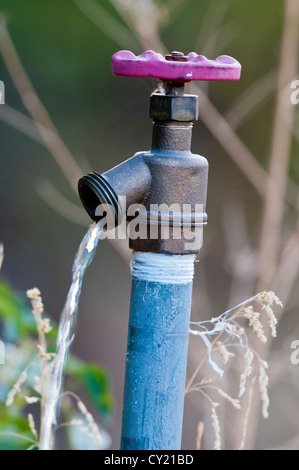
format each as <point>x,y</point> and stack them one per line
<point>167,187</point>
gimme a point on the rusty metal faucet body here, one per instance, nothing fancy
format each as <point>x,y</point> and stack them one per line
<point>168,186</point>
<point>168,174</point>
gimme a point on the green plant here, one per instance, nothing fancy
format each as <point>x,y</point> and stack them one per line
<point>29,339</point>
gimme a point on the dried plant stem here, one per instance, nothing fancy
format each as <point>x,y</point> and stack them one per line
<point>105,21</point>
<point>200,430</point>
<point>251,100</point>
<point>288,266</point>
<point>280,150</point>
<point>239,308</point>
<point>236,149</point>
<point>43,327</point>
<point>143,18</point>
<point>35,108</point>
<point>247,412</point>
<point>21,122</point>
<point>202,361</point>
<point>32,425</point>
<point>46,133</point>
<point>276,186</point>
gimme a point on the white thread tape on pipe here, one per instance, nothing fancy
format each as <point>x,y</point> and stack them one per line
<point>159,267</point>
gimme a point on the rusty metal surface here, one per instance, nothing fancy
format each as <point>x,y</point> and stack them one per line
<point>171,136</point>
<point>169,174</point>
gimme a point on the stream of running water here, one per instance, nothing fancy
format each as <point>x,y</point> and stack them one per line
<point>65,336</point>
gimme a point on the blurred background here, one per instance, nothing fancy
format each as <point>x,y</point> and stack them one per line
<point>66,114</point>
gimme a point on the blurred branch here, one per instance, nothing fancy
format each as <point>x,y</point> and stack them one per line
<point>290,119</point>
<point>20,122</point>
<point>175,7</point>
<point>288,266</point>
<point>144,19</point>
<point>210,26</point>
<point>272,219</point>
<point>61,204</point>
<point>210,32</point>
<point>212,29</point>
<point>36,109</point>
<point>106,22</point>
<point>26,125</point>
<point>219,40</point>
<point>291,444</point>
<point>251,100</point>
<point>236,149</point>
<point>41,129</point>
<point>241,256</point>
<point>276,186</point>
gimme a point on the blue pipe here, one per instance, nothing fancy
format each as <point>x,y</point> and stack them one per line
<point>157,347</point>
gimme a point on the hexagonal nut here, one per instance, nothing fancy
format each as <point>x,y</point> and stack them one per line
<point>173,107</point>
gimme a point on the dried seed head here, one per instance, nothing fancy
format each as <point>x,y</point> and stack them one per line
<point>43,354</point>
<point>254,322</point>
<point>31,400</point>
<point>16,388</point>
<point>37,304</point>
<point>233,401</point>
<point>225,354</point>
<point>216,427</point>
<point>248,357</point>
<point>32,425</point>
<point>263,383</point>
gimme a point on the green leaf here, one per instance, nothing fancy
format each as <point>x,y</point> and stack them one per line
<point>17,318</point>
<point>15,314</point>
<point>95,381</point>
<point>13,427</point>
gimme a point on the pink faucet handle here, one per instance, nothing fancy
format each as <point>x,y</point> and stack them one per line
<point>175,67</point>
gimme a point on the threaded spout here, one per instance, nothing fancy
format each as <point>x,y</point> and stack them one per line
<point>94,190</point>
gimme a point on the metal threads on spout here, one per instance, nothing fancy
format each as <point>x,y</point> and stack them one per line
<point>94,190</point>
